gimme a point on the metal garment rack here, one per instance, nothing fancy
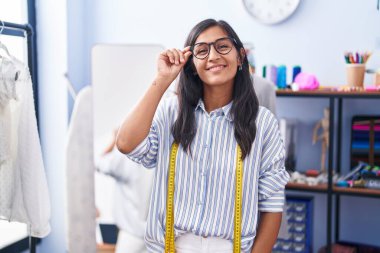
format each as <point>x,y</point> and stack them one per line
<point>18,30</point>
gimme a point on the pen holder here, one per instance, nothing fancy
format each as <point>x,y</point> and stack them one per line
<point>377,79</point>
<point>355,74</point>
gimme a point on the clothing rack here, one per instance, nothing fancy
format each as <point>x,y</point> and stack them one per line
<point>27,31</point>
<point>18,30</point>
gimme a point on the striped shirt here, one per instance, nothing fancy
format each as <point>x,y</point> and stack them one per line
<point>205,180</point>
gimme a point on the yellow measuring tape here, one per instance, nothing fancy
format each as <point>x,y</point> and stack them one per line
<point>169,236</point>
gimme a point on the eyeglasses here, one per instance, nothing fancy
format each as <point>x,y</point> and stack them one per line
<point>223,46</point>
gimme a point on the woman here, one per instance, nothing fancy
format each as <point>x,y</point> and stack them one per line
<point>215,111</point>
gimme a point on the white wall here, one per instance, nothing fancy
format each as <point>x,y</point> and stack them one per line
<point>52,60</point>
<point>315,37</point>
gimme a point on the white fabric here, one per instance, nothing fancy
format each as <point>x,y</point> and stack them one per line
<point>190,243</point>
<point>127,243</point>
<point>24,195</point>
<point>81,212</point>
<point>265,92</point>
<point>131,195</point>
<point>8,72</point>
<point>132,189</point>
<point>7,171</point>
<point>8,76</point>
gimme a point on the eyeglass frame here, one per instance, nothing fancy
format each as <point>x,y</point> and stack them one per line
<point>212,44</point>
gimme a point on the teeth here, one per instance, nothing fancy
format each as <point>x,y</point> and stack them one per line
<point>216,68</point>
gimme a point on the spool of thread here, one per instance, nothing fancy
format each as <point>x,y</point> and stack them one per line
<point>358,183</point>
<point>281,77</point>
<point>312,173</point>
<point>271,73</point>
<point>265,71</point>
<point>296,71</point>
<point>342,184</point>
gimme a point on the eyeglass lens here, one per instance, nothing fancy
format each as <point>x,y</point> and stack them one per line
<point>222,46</point>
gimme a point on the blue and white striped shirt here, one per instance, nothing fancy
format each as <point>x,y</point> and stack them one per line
<point>205,182</point>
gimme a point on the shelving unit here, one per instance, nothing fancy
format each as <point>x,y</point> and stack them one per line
<point>357,192</point>
<point>335,103</point>
<point>299,213</point>
<point>307,188</point>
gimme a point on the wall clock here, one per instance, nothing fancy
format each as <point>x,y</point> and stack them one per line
<point>271,11</point>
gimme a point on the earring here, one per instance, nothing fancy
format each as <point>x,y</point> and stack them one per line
<point>240,67</point>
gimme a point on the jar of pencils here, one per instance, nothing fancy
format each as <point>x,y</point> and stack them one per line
<point>355,68</point>
<point>355,74</point>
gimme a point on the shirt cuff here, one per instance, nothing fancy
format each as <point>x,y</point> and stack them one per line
<point>140,150</point>
<point>40,231</point>
<point>274,203</point>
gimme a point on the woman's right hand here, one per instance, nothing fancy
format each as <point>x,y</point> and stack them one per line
<point>170,63</point>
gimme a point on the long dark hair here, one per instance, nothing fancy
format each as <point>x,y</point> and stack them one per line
<point>190,89</point>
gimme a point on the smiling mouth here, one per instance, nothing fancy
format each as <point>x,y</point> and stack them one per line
<point>216,68</point>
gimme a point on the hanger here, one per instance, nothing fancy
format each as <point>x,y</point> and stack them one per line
<point>2,46</point>
<point>9,56</point>
<point>70,87</point>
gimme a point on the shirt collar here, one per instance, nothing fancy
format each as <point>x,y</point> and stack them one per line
<point>226,110</point>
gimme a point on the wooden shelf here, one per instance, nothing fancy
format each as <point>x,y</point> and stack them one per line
<point>328,93</point>
<point>365,192</point>
<point>105,248</point>
<point>322,188</point>
<point>305,187</point>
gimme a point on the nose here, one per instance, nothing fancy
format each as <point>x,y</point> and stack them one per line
<point>213,53</point>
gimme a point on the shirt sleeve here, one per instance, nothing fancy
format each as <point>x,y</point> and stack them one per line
<point>273,176</point>
<point>146,152</point>
<point>34,183</point>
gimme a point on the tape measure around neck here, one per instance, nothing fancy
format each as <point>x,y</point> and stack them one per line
<point>238,200</point>
<point>169,236</point>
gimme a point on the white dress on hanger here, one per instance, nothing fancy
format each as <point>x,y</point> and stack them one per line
<point>24,195</point>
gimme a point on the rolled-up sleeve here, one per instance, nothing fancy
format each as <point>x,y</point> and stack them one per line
<point>146,152</point>
<point>273,176</point>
